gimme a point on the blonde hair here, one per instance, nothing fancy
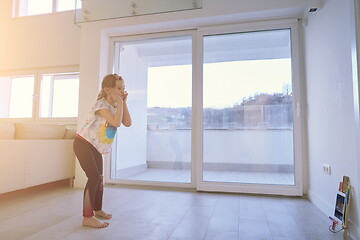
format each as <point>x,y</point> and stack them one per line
<point>109,81</point>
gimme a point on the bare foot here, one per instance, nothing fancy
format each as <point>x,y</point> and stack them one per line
<point>94,222</point>
<point>102,215</point>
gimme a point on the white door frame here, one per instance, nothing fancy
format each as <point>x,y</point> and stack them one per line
<point>297,188</point>
<point>113,60</point>
<point>197,108</point>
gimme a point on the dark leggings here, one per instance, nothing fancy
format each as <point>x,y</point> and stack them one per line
<point>91,162</point>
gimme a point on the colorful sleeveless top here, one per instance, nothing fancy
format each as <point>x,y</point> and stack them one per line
<point>97,130</point>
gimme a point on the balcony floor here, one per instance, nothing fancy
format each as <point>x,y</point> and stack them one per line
<point>184,176</point>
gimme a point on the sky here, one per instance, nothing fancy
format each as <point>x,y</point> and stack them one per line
<point>225,84</point>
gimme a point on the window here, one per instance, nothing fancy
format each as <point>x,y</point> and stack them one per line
<point>39,95</point>
<point>16,96</point>
<point>36,7</point>
<point>169,101</point>
<point>59,95</point>
<point>66,5</point>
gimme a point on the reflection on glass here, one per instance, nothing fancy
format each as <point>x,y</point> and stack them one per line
<point>248,114</point>
<point>157,147</point>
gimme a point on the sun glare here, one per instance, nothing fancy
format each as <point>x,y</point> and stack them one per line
<point>21,97</point>
<point>225,83</point>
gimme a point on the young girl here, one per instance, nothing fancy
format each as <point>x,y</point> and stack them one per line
<point>94,139</point>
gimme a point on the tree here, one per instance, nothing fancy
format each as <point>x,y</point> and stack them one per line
<point>267,99</point>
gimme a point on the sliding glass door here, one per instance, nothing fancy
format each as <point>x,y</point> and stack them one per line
<point>250,133</point>
<point>247,111</point>
<point>158,77</point>
<point>216,109</point>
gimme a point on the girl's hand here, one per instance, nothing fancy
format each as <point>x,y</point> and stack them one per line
<point>124,98</point>
<point>117,98</point>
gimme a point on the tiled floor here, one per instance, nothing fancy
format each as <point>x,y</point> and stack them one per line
<point>184,176</point>
<point>55,213</point>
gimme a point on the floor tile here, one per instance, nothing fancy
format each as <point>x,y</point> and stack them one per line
<point>140,214</point>
<point>212,234</point>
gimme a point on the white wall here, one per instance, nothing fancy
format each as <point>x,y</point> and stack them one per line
<point>38,41</point>
<point>53,40</point>
<point>330,106</point>
<point>95,37</point>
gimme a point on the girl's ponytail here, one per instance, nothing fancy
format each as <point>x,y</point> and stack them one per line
<point>101,94</point>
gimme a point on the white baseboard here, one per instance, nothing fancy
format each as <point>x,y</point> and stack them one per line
<point>324,206</point>
<point>354,231</point>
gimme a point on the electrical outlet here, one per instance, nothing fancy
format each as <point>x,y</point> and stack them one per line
<point>327,169</point>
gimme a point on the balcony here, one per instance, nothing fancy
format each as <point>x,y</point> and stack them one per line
<point>259,156</point>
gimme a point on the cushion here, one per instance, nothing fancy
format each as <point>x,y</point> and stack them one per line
<point>7,131</point>
<point>70,133</point>
<point>39,131</point>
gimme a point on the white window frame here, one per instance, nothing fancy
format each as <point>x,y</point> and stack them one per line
<point>52,93</point>
<point>14,74</point>
<point>38,73</point>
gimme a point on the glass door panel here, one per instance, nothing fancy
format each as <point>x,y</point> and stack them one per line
<point>158,77</point>
<point>248,108</point>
